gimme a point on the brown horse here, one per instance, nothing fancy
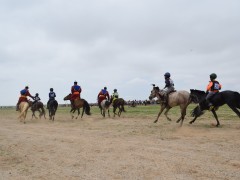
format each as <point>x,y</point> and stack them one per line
<point>118,103</point>
<point>178,98</point>
<point>78,103</point>
<point>23,108</point>
<point>38,106</point>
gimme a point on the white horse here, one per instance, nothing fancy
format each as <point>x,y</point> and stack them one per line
<point>104,106</point>
<point>23,108</point>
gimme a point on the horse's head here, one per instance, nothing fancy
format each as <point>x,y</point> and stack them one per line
<point>68,97</point>
<point>199,95</point>
<point>154,92</point>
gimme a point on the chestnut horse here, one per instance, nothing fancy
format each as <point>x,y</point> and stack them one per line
<point>180,98</point>
<point>78,103</point>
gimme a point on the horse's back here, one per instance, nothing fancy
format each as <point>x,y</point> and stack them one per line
<point>179,97</point>
<point>79,102</point>
<point>23,106</point>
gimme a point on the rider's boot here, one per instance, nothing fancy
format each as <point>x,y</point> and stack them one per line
<point>210,105</point>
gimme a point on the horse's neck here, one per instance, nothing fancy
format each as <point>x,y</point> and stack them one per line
<point>159,95</point>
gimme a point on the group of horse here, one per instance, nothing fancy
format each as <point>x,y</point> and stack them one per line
<point>183,98</point>
<point>179,98</point>
<point>38,106</point>
<point>104,106</point>
<point>77,105</point>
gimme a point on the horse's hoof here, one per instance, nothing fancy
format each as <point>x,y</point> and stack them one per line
<point>155,121</point>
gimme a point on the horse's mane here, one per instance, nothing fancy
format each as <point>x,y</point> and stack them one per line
<point>200,92</point>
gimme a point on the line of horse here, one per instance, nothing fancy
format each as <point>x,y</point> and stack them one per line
<point>78,104</point>
<point>179,98</point>
<point>38,106</point>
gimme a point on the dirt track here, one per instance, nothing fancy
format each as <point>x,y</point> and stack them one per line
<point>120,148</point>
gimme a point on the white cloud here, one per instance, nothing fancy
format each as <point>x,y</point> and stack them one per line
<point>119,44</point>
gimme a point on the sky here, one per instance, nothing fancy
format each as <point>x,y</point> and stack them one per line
<point>122,44</point>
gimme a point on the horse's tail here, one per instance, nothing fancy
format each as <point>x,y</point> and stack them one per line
<point>87,107</point>
<point>43,112</point>
<point>123,102</point>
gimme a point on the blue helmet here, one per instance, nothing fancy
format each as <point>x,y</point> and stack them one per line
<point>167,75</point>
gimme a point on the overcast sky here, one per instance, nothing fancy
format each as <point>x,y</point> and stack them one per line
<point>122,44</point>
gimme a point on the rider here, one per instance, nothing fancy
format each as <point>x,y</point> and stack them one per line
<point>169,87</point>
<point>103,94</point>
<point>23,98</point>
<point>76,91</point>
<point>36,99</point>
<point>114,95</point>
<point>212,88</point>
<point>52,96</point>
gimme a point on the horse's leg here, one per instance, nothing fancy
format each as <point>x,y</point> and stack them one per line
<point>108,113</point>
<point>103,112</point>
<point>160,112</point>
<point>183,114</point>
<point>78,112</point>
<point>119,112</point>
<point>235,110</point>
<point>166,112</point>
<point>216,117</point>
<point>192,121</point>
<point>72,111</point>
<point>83,112</point>
<point>33,115</point>
<point>114,111</point>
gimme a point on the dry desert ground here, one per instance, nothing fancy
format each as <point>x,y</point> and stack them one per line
<point>126,147</point>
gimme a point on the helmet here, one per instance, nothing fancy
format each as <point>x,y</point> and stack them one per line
<point>51,89</point>
<point>26,87</point>
<point>115,90</point>
<point>105,88</point>
<point>213,76</point>
<point>36,94</point>
<point>75,82</point>
<point>167,75</point>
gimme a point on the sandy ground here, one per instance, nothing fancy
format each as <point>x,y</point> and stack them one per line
<point>118,148</point>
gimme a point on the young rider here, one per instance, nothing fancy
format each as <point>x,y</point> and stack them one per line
<point>213,87</point>
<point>169,86</point>
<point>52,96</point>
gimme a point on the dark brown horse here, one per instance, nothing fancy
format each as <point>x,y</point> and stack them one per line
<point>179,98</point>
<point>78,103</point>
<point>231,98</point>
<point>53,105</point>
<point>118,104</point>
<point>38,106</point>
